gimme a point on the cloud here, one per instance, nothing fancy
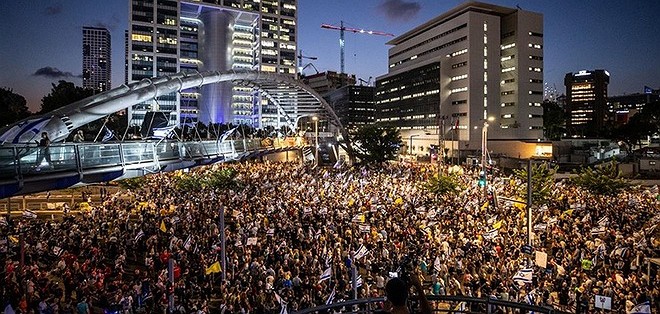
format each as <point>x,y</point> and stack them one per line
<point>53,9</point>
<point>400,10</point>
<point>110,25</point>
<point>54,73</point>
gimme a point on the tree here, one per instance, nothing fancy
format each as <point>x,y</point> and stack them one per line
<point>62,94</point>
<point>13,106</point>
<point>224,178</point>
<point>543,180</point>
<point>374,145</point>
<point>603,180</point>
<point>643,124</point>
<point>132,183</point>
<point>442,184</point>
<point>554,122</point>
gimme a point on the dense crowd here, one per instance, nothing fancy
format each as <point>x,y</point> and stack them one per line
<point>286,224</point>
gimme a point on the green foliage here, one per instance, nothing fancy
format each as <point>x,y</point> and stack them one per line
<point>375,145</point>
<point>442,184</point>
<point>13,107</point>
<point>189,182</point>
<point>62,94</point>
<point>605,180</point>
<point>132,183</point>
<point>543,180</point>
<point>553,120</point>
<point>643,124</point>
<point>221,179</point>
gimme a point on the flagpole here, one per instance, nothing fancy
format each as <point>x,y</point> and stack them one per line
<point>529,208</point>
<point>223,253</point>
<point>354,268</point>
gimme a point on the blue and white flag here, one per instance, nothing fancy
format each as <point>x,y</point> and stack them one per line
<point>603,221</point>
<point>491,234</point>
<point>108,134</point>
<point>139,235</point>
<point>523,276</point>
<point>361,252</point>
<point>164,132</point>
<point>187,243</point>
<point>331,297</point>
<point>598,231</point>
<point>326,274</point>
<point>58,251</point>
<point>29,214</point>
<point>282,303</point>
<point>642,308</point>
<point>225,135</point>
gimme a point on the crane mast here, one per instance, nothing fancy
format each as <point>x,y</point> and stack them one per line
<point>342,29</point>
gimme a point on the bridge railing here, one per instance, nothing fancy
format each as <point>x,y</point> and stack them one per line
<point>31,160</point>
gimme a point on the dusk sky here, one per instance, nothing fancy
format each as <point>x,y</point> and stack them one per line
<point>622,37</point>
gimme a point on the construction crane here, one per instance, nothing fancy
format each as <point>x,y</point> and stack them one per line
<point>341,28</point>
<point>300,62</point>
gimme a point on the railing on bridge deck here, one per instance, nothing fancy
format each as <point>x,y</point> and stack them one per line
<point>439,304</point>
<point>30,160</point>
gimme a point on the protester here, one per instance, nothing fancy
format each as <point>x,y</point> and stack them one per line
<point>295,233</point>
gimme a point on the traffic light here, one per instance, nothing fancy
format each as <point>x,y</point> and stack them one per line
<point>482,179</point>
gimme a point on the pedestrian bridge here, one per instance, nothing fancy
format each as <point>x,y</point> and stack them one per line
<point>24,169</point>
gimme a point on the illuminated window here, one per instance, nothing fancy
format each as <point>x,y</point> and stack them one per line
<point>534,69</point>
<point>535,46</point>
<point>508,69</point>
<point>459,77</point>
<point>511,45</point>
<point>508,58</point>
<point>142,38</point>
<point>458,90</point>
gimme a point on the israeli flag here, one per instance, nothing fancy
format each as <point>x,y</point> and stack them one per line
<point>29,214</point>
<point>331,297</point>
<point>108,134</point>
<point>326,274</point>
<point>523,276</point>
<point>163,132</point>
<point>642,308</point>
<point>58,251</point>
<point>361,252</point>
<point>187,243</point>
<point>139,235</point>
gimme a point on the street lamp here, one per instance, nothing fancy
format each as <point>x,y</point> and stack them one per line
<point>484,146</point>
<point>316,136</point>
<point>411,142</point>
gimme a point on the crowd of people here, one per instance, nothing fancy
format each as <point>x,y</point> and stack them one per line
<point>295,234</point>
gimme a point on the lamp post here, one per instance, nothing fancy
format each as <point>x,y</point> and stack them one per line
<point>316,141</point>
<point>484,144</point>
<point>411,142</point>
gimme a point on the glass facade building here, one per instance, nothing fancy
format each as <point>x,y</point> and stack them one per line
<point>96,60</point>
<point>169,36</point>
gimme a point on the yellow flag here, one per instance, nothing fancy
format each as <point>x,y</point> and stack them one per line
<point>485,205</point>
<point>568,212</point>
<point>214,268</point>
<point>13,239</point>
<point>498,224</point>
<point>398,201</point>
<point>162,226</point>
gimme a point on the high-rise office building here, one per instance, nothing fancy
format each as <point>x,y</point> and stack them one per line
<point>168,36</point>
<point>354,105</point>
<point>586,102</point>
<point>475,63</point>
<point>328,81</point>
<point>96,60</point>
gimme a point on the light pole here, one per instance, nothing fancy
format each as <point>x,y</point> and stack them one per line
<point>484,144</point>
<point>316,136</point>
<point>411,142</point>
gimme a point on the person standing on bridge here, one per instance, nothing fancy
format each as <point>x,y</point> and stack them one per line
<point>44,149</point>
<point>79,137</point>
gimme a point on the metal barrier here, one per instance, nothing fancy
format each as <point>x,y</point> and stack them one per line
<point>439,304</point>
